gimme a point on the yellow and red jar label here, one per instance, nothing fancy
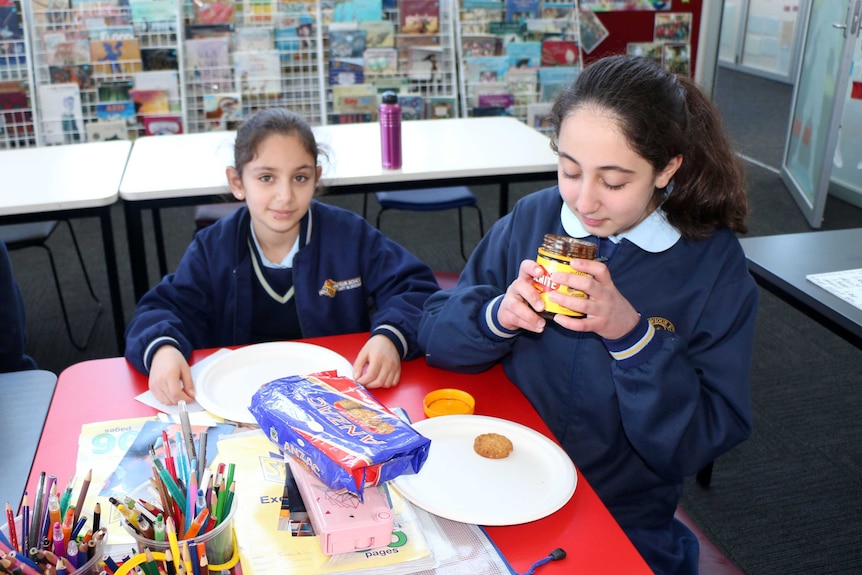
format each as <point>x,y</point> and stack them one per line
<point>545,286</point>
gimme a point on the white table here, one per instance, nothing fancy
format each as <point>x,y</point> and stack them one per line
<point>182,169</point>
<point>59,182</point>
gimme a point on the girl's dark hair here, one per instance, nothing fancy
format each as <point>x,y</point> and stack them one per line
<point>265,123</point>
<point>663,115</point>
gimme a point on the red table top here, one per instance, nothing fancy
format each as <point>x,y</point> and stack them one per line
<point>104,389</point>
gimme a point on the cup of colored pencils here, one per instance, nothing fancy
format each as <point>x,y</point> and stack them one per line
<point>187,514</point>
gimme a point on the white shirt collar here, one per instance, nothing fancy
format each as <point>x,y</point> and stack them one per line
<point>654,234</point>
<point>287,262</point>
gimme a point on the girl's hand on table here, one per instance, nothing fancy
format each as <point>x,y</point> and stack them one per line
<point>170,376</point>
<point>378,363</point>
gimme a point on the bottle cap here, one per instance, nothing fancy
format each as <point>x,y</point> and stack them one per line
<point>389,97</point>
<point>448,402</point>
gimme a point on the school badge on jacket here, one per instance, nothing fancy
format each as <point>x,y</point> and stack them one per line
<point>331,287</point>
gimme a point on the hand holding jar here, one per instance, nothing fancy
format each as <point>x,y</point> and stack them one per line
<point>604,310</point>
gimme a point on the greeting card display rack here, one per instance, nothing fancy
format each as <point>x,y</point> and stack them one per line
<point>516,55</point>
<point>96,65</point>
<point>241,56</point>
<point>17,124</point>
<point>405,46</point>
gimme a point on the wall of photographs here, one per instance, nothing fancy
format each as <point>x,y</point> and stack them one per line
<point>90,70</point>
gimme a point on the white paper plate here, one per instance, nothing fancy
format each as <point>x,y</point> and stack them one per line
<point>535,480</point>
<point>225,387</point>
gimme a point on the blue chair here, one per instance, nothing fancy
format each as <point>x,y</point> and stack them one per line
<point>26,398</point>
<point>428,200</point>
<point>35,235</point>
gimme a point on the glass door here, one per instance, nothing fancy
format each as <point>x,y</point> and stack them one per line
<point>818,97</point>
<point>762,37</point>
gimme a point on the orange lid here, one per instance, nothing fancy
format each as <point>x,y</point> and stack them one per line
<point>448,402</point>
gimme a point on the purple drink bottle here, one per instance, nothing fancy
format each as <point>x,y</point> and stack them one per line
<point>390,131</point>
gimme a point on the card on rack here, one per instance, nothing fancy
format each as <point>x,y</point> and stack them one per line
<point>412,106</point>
<point>420,16</point>
<point>349,118</point>
<point>80,74</point>
<point>52,14</point>
<point>208,61</point>
<point>477,14</point>
<point>380,61</point>
<point>10,23</point>
<point>480,45</point>
<point>346,71</point>
<point>116,57</point>
<point>112,33</point>
<point>521,10</point>
<point>293,40</point>
<point>222,111</point>
<point>357,10</point>
<point>524,54</point>
<point>61,113</point>
<point>65,50</point>
<point>16,115</point>
<point>403,42</point>
<point>159,59</point>
<point>539,117</point>
<point>124,111</point>
<point>423,62</point>
<point>543,27</point>
<point>552,80</point>
<point>557,52</point>
<point>258,72</point>
<point>499,100</point>
<point>354,99</point>
<point>508,31</point>
<point>523,84</point>
<point>378,34</point>
<point>248,39</point>
<point>154,15</point>
<point>208,12</point>
<point>389,84</point>
<point>592,30</point>
<point>167,80</point>
<point>486,69</point>
<point>259,11</point>
<point>346,43</point>
<point>106,131</point>
<point>149,102</point>
<point>100,13</point>
<point>441,107</point>
<point>116,91</point>
<point>163,125</point>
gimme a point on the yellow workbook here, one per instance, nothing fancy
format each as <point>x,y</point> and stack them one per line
<point>264,548</point>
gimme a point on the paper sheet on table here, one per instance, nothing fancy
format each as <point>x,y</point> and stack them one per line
<point>101,447</point>
<point>264,549</point>
<point>147,398</point>
<point>846,285</point>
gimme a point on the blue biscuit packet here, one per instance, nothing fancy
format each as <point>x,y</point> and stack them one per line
<point>338,430</point>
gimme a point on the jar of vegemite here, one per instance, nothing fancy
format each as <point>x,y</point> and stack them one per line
<point>555,255</point>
